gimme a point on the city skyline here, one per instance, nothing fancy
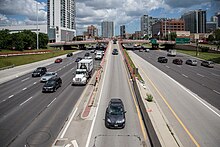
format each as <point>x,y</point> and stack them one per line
<point>127,12</point>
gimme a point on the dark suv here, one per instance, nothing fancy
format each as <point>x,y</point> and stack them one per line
<point>52,84</point>
<point>39,72</point>
<point>162,59</point>
<point>115,52</point>
<point>115,114</point>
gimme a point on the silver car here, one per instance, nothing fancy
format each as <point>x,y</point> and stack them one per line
<point>192,62</point>
<point>47,76</point>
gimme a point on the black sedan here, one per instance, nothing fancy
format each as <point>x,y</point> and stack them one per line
<point>162,59</point>
<point>178,61</point>
<point>69,54</point>
<point>78,59</point>
<point>39,72</point>
<point>52,84</point>
<point>115,114</point>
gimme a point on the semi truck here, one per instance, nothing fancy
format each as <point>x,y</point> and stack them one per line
<point>83,72</point>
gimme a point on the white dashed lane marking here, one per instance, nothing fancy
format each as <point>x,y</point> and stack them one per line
<point>24,88</point>
<point>25,79</point>
<point>26,101</point>
<point>200,75</point>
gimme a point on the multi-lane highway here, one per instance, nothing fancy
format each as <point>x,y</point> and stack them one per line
<point>30,117</point>
<point>177,89</point>
<point>201,80</point>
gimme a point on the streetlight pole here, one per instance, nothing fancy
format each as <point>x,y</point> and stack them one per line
<point>37,26</point>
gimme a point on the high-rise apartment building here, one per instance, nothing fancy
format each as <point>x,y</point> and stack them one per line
<point>218,18</point>
<point>195,21</point>
<point>146,24</point>
<point>107,29</point>
<point>122,31</point>
<point>92,31</point>
<point>61,25</point>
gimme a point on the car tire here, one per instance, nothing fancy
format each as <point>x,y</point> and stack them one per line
<point>54,90</point>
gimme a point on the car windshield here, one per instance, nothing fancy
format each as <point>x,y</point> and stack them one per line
<point>115,110</point>
<point>80,72</point>
<point>50,83</point>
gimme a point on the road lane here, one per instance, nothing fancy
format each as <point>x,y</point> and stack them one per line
<point>116,84</point>
<point>198,121</point>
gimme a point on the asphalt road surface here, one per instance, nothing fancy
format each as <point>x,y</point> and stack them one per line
<point>194,121</point>
<point>201,80</point>
<point>116,85</point>
<point>32,118</point>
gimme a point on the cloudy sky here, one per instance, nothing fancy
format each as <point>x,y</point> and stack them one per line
<point>93,12</point>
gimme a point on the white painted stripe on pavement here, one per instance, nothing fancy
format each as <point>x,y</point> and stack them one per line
<point>200,75</point>
<point>24,88</point>
<point>10,96</point>
<point>51,102</point>
<point>75,144</point>
<point>25,79</point>
<point>167,66</point>
<point>25,101</point>
<point>215,74</point>
<point>67,126</point>
<point>35,83</point>
<point>185,75</point>
<point>216,91</point>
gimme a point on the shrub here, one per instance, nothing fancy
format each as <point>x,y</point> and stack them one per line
<point>149,97</point>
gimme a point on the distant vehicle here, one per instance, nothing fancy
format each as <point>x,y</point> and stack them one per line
<point>47,76</point>
<point>178,61</point>
<point>115,114</point>
<point>78,59</point>
<point>69,54</point>
<point>58,60</point>
<point>92,51</point>
<point>86,55</point>
<point>115,52</point>
<point>114,41</point>
<point>192,62</point>
<point>207,64</point>
<point>39,72</point>
<point>171,53</point>
<point>147,50</point>
<point>52,84</point>
<point>162,59</point>
<point>99,55</point>
<point>141,50</point>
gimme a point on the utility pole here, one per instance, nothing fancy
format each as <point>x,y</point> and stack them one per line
<point>37,26</point>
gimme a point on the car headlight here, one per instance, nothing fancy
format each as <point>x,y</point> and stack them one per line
<point>120,121</point>
<point>108,120</point>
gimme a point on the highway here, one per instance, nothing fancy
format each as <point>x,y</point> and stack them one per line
<point>201,80</point>
<point>30,117</point>
<point>195,122</point>
<point>116,84</point>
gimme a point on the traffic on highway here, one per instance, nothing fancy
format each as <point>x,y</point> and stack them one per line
<point>87,98</point>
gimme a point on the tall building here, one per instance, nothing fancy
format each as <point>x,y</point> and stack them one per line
<point>61,25</point>
<point>195,21</point>
<point>211,26</point>
<point>92,31</point>
<point>218,18</point>
<point>122,31</point>
<point>146,24</point>
<point>164,27</point>
<point>107,29</point>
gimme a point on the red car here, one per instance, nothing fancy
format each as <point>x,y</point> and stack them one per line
<point>178,61</point>
<point>58,60</point>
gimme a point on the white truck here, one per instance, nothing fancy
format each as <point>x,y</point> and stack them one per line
<point>83,72</point>
<point>99,55</point>
<point>171,52</point>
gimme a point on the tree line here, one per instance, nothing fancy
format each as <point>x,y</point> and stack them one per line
<point>22,40</point>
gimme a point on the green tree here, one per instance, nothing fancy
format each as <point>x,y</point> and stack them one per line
<point>4,38</point>
<point>217,34</point>
<point>43,40</point>
<point>211,38</point>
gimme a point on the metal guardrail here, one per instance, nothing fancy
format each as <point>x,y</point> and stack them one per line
<point>154,141</point>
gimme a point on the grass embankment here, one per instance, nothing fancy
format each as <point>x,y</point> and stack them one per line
<point>215,57</point>
<point>133,66</point>
<point>25,59</point>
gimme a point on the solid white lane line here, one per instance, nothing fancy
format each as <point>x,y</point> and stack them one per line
<point>51,102</point>
<point>167,66</point>
<point>25,79</point>
<point>75,144</point>
<point>216,91</point>
<point>25,101</point>
<point>24,88</point>
<point>35,83</point>
<point>200,75</point>
<point>185,75</point>
<point>10,96</point>
<point>67,126</point>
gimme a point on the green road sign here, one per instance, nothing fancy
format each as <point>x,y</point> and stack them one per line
<point>182,40</point>
<point>153,41</point>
